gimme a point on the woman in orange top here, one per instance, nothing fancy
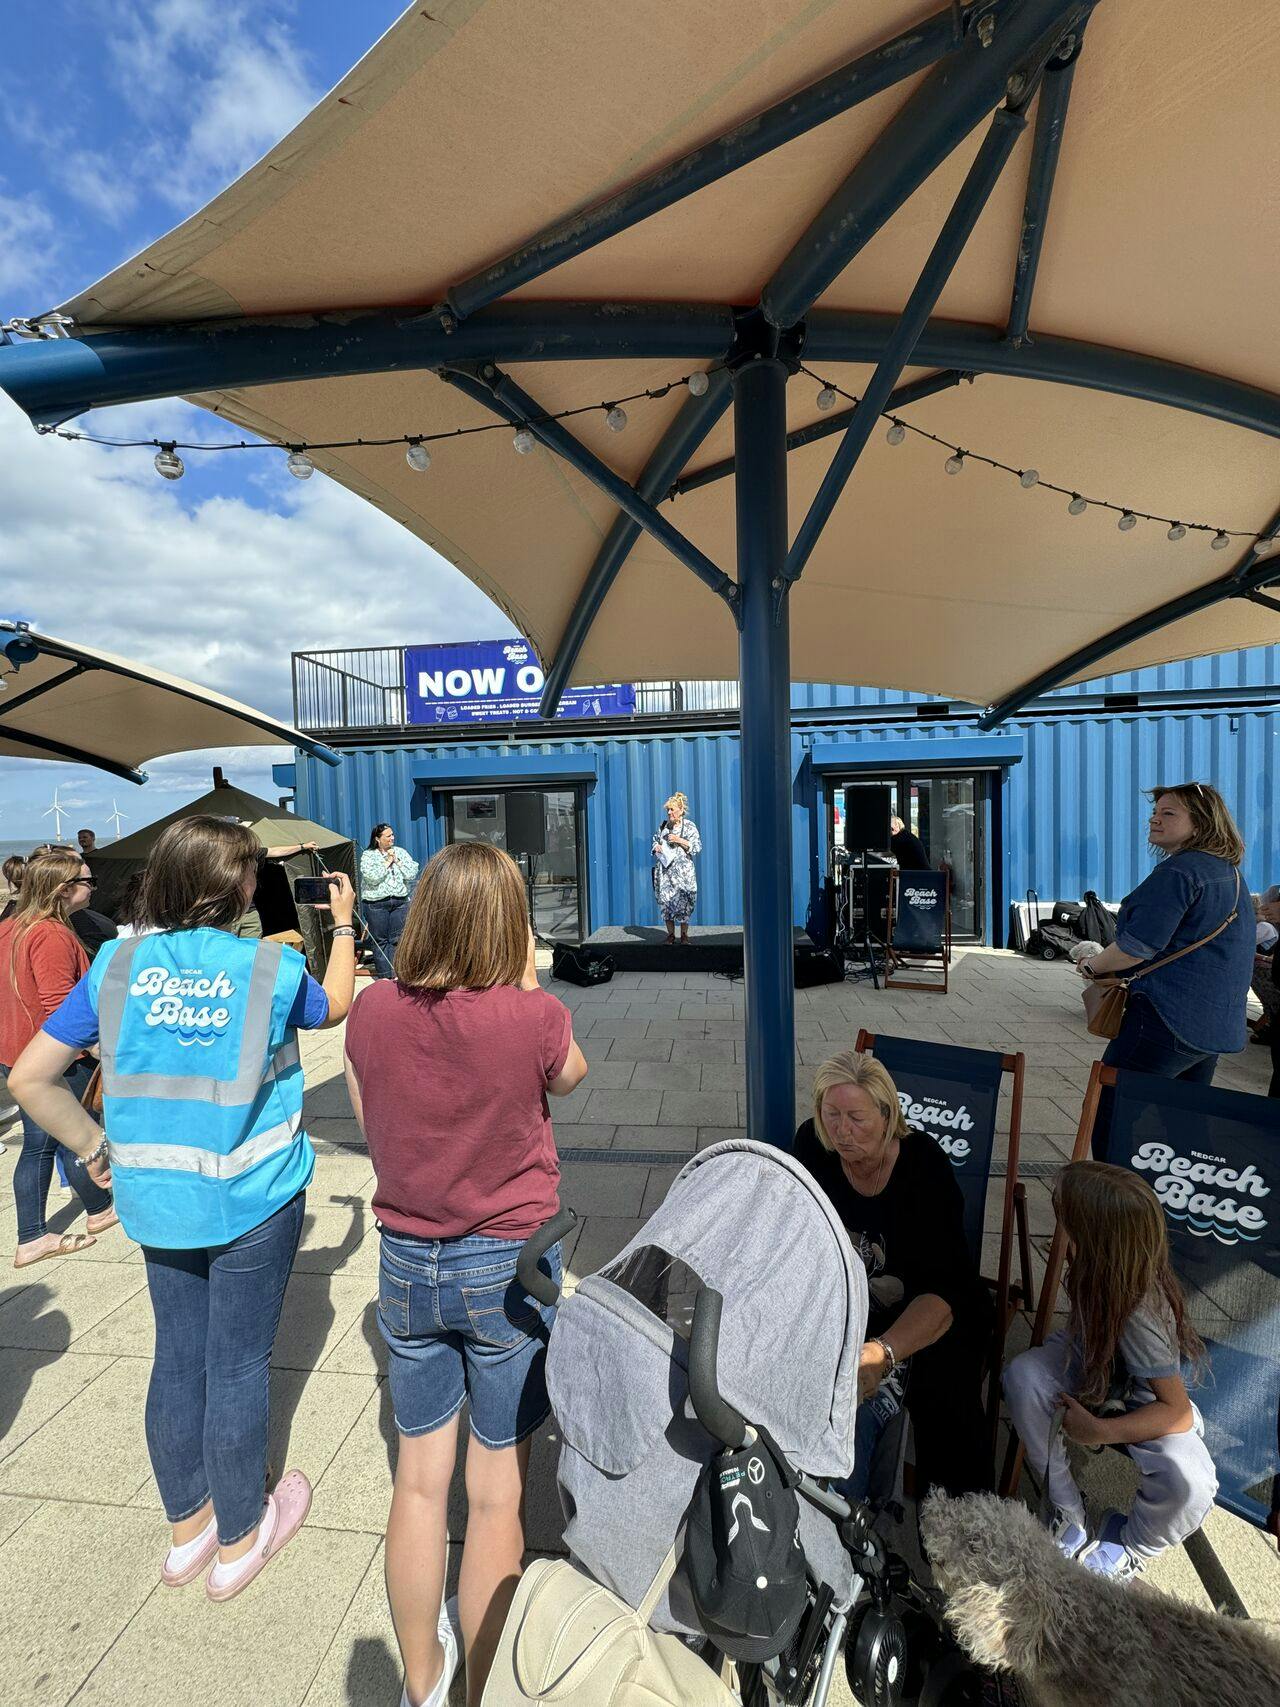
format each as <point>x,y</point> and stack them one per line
<point>41,961</point>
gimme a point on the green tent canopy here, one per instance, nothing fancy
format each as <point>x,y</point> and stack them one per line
<point>114,864</point>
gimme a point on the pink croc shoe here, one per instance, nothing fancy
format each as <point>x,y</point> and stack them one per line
<point>282,1518</point>
<point>185,1564</point>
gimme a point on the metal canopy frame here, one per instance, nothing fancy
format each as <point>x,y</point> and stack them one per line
<point>983,63</point>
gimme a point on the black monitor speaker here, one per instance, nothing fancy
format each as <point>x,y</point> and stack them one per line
<point>866,816</point>
<point>526,824</point>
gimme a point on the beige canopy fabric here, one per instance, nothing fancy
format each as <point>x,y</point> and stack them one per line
<point>475,123</point>
<point>74,703</point>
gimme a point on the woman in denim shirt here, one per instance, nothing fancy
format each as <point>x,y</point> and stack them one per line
<point>1181,1017</point>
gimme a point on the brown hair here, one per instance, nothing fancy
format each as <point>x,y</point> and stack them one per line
<point>13,869</point>
<point>864,1071</point>
<point>196,873</point>
<point>42,896</point>
<point>1213,829</point>
<point>1121,1259</point>
<point>468,924</point>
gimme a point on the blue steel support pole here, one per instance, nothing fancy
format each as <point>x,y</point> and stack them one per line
<point>698,415</point>
<point>1046,145</point>
<point>1006,127</point>
<point>955,97</point>
<point>760,430</point>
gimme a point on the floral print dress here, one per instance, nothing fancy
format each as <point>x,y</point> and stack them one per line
<point>676,885</point>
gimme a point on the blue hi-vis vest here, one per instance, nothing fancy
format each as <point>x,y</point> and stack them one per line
<point>201,1082</point>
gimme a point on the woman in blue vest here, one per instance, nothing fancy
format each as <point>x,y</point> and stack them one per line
<point>202,1092</point>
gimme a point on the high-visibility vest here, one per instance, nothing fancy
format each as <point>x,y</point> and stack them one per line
<point>202,1084</point>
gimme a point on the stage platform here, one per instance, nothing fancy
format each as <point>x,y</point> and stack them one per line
<point>644,948</point>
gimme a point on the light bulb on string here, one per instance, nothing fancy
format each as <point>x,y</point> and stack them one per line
<point>897,432</point>
<point>1176,532</point>
<point>418,457</point>
<point>699,384</point>
<point>1263,547</point>
<point>1078,505</point>
<point>1127,522</point>
<point>954,464</point>
<point>1220,540</point>
<point>169,465</point>
<point>1029,477</point>
<point>300,465</point>
<point>524,441</point>
<point>827,397</point>
<point>616,419</point>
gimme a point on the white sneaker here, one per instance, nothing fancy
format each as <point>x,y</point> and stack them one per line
<point>440,1694</point>
<point>1067,1533</point>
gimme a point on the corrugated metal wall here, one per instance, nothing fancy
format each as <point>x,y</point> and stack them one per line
<point>1072,812</point>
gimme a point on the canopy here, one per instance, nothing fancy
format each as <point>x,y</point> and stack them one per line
<point>116,862</point>
<point>70,702</point>
<point>474,124</point>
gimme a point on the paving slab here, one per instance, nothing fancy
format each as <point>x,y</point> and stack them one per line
<point>68,1298</point>
<point>76,1452</point>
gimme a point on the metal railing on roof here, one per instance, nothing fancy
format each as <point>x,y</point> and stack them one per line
<point>363,688</point>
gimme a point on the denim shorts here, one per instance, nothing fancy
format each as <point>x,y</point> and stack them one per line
<point>459,1325</point>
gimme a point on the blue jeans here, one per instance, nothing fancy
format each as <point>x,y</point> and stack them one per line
<point>385,920</point>
<point>216,1314</point>
<point>1146,1045</point>
<point>34,1168</point>
<point>873,1417</point>
<point>459,1325</point>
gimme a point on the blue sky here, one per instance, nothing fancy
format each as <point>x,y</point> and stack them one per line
<point>117,119</point>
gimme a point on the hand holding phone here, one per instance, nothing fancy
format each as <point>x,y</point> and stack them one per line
<point>313,891</point>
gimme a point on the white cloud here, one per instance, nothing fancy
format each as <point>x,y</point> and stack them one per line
<point>28,243</point>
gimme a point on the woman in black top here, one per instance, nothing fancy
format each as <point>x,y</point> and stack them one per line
<point>895,1192</point>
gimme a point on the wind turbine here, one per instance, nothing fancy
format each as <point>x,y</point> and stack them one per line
<point>55,812</point>
<point>115,816</point>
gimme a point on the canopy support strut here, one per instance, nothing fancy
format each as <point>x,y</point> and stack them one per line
<point>697,417</point>
<point>760,435</point>
<point>75,755</point>
<point>1244,582</point>
<point>1046,144</point>
<point>495,391</point>
<point>1007,124</point>
<point>11,702</point>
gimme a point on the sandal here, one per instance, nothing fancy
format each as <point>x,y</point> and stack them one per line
<point>286,1509</point>
<point>69,1245</point>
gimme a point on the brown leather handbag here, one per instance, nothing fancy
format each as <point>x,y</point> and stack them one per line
<point>1105,999</point>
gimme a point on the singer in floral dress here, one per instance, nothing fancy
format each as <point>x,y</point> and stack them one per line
<point>675,882</point>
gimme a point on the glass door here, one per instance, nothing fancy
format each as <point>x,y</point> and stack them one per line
<point>945,812</point>
<point>541,829</point>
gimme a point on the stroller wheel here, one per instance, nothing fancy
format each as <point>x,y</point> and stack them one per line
<point>875,1657</point>
<point>1048,952</point>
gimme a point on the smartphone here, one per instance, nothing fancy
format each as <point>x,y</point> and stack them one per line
<point>312,891</point>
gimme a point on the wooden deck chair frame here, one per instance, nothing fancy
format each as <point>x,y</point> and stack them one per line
<point>1008,1296</point>
<point>1203,1559</point>
<point>908,960</point>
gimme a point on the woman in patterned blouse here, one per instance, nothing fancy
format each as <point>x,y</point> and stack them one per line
<point>386,875</point>
<point>675,883</point>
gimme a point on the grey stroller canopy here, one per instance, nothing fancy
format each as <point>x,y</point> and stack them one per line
<point>749,1221</point>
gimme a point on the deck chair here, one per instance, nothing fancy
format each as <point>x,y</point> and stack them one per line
<point>918,945</point>
<point>953,1093</point>
<point>1224,1239</point>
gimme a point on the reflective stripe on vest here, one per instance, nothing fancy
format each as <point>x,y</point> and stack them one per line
<point>210,1164</point>
<point>255,1038</point>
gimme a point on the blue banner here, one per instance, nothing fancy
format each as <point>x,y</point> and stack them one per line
<point>494,681</point>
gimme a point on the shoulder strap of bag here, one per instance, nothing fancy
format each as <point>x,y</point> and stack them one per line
<point>1191,947</point>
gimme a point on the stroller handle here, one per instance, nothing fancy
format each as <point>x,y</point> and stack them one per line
<point>712,1410</point>
<point>536,1284</point>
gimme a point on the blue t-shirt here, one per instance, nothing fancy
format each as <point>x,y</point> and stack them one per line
<point>1201,998</point>
<point>75,1023</point>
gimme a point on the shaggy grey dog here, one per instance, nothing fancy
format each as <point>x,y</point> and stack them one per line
<point>1073,1639</point>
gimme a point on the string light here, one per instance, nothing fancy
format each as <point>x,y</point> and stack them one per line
<point>955,462</point>
<point>1029,477</point>
<point>1263,547</point>
<point>1220,540</point>
<point>1078,505</point>
<point>897,432</point>
<point>1176,532</point>
<point>616,419</point>
<point>418,457</point>
<point>169,465</point>
<point>300,465</point>
<point>524,441</point>
<point>1127,522</point>
<point>827,398</point>
<point>699,384</point>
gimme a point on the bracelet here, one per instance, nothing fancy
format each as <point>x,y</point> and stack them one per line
<point>344,930</point>
<point>95,1155</point>
<point>889,1352</point>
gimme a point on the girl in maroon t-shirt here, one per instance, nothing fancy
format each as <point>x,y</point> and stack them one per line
<point>449,1066</point>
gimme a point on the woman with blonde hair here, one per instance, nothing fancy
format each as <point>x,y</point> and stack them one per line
<point>450,1065</point>
<point>41,961</point>
<point>929,1329</point>
<point>676,844</point>
<point>1123,1349</point>
<point>1182,1013</point>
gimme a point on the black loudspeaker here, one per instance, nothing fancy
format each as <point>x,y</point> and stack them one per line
<point>526,824</point>
<point>866,817</point>
<point>574,963</point>
<point>817,966</point>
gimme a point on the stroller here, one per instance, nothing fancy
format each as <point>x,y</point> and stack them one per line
<point>731,1323</point>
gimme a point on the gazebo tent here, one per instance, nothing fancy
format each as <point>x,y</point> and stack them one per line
<point>114,864</point>
<point>503,213</point>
